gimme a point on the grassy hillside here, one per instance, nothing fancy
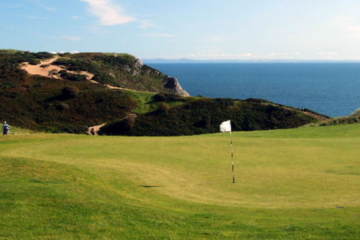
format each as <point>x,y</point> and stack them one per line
<point>205,115</point>
<point>120,70</point>
<point>351,119</point>
<point>291,184</point>
<point>72,92</point>
<point>73,104</point>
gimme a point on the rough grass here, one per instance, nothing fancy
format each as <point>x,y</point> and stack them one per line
<point>352,119</point>
<point>291,184</point>
<point>204,116</point>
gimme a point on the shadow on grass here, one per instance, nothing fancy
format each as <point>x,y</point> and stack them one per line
<point>149,186</point>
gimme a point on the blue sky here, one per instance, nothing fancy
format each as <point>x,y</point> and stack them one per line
<point>194,29</point>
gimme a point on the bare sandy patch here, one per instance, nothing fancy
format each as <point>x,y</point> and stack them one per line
<point>94,130</point>
<point>46,68</point>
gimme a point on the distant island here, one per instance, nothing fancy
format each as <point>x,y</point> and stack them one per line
<point>186,60</point>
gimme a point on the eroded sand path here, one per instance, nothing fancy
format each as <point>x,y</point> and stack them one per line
<point>94,130</point>
<point>46,68</point>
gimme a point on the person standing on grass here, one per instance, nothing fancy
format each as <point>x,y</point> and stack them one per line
<point>6,128</point>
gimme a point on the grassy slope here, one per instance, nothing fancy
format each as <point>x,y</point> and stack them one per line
<point>73,105</point>
<point>122,70</point>
<point>292,184</point>
<point>36,102</point>
<point>204,116</point>
<point>351,119</point>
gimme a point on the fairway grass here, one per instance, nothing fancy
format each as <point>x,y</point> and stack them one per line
<point>290,184</point>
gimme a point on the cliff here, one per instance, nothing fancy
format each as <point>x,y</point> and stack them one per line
<point>174,87</point>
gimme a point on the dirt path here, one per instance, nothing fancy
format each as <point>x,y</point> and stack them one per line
<point>46,68</point>
<point>316,116</point>
<point>111,86</point>
<point>94,130</point>
<point>311,114</point>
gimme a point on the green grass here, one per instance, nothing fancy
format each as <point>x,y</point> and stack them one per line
<point>144,100</point>
<point>291,184</point>
<point>147,104</point>
<point>21,131</point>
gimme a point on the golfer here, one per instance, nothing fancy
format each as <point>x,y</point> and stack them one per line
<point>6,128</point>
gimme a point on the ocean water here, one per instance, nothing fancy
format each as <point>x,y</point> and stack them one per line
<point>328,88</point>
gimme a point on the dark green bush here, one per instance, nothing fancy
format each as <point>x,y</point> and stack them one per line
<point>70,92</point>
<point>205,116</point>
<point>72,77</point>
<point>163,97</point>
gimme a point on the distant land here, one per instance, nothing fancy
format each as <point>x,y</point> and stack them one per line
<point>185,60</point>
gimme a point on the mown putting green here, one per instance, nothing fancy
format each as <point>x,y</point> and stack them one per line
<point>291,184</point>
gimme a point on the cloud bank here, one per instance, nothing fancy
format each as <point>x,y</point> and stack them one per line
<point>108,13</point>
<point>71,38</point>
<point>159,35</point>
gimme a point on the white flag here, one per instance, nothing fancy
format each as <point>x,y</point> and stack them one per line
<point>225,126</point>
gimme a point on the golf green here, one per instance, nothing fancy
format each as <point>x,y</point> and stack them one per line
<point>290,184</point>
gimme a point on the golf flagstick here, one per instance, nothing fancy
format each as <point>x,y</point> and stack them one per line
<point>226,127</point>
<point>232,158</point>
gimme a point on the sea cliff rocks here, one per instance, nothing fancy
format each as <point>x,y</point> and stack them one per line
<point>174,86</point>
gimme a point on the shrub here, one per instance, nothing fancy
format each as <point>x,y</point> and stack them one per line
<point>205,115</point>
<point>159,97</point>
<point>356,112</point>
<point>163,97</point>
<point>70,92</point>
<point>72,77</point>
<point>62,106</point>
<point>163,108</point>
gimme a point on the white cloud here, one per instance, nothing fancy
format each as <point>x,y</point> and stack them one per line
<point>107,12</point>
<point>62,52</point>
<point>328,55</point>
<point>216,39</point>
<point>213,54</point>
<point>354,28</point>
<point>146,24</point>
<point>220,54</point>
<point>159,35</point>
<point>71,38</point>
<point>348,26</point>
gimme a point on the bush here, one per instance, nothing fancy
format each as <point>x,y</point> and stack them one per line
<point>70,92</point>
<point>120,127</point>
<point>72,77</point>
<point>163,108</point>
<point>356,112</point>
<point>205,115</point>
<point>43,55</point>
<point>62,106</point>
<point>159,98</point>
<point>163,97</point>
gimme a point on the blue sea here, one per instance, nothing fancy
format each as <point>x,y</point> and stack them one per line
<point>328,88</point>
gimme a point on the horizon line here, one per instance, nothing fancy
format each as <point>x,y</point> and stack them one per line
<point>245,60</point>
